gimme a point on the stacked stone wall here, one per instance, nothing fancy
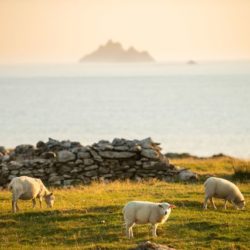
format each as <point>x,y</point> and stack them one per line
<point>63,163</point>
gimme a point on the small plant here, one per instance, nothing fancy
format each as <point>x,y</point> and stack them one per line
<point>241,169</point>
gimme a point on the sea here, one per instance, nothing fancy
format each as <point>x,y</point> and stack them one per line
<point>201,108</point>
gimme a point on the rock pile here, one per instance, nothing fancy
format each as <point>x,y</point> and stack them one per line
<point>152,246</point>
<point>68,163</point>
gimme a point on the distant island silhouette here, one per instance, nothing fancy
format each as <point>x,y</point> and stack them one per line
<point>113,52</point>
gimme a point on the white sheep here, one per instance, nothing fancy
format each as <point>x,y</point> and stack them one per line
<point>143,212</point>
<point>223,189</point>
<point>27,188</point>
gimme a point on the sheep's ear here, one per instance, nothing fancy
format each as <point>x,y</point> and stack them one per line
<point>172,206</point>
<point>50,194</point>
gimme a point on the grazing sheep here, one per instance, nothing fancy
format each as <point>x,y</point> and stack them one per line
<point>223,189</point>
<point>143,212</point>
<point>27,188</point>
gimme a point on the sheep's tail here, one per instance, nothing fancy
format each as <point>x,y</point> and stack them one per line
<point>205,183</point>
<point>10,186</point>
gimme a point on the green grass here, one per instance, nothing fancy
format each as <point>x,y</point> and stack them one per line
<point>89,217</point>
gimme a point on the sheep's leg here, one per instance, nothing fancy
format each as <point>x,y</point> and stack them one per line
<point>129,230</point>
<point>33,203</point>
<point>235,206</point>
<point>154,228</point>
<point>40,201</point>
<point>205,202</point>
<point>13,206</point>
<point>17,207</point>
<point>225,204</point>
<point>14,202</point>
<point>212,202</point>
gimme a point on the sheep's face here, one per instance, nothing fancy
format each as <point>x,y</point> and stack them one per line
<point>241,204</point>
<point>165,208</point>
<point>50,199</point>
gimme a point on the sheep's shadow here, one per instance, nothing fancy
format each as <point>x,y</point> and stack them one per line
<point>94,225</point>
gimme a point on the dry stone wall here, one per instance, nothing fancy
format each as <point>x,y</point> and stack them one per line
<point>66,163</point>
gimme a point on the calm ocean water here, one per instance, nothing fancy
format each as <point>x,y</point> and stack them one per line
<point>202,109</point>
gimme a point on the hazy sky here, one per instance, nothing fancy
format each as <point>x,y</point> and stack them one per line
<point>65,30</point>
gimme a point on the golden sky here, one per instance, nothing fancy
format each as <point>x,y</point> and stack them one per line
<point>59,31</point>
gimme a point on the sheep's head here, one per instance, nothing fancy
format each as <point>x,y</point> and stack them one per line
<point>50,199</point>
<point>241,204</point>
<point>165,208</point>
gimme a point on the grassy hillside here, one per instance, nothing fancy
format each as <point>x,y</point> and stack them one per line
<point>89,217</point>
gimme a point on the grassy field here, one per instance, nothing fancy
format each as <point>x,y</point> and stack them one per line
<point>89,217</point>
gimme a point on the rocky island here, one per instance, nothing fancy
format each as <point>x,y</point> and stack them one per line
<point>113,52</point>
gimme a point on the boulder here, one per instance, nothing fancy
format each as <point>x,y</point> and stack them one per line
<point>24,149</point>
<point>83,155</point>
<point>65,156</point>
<point>3,150</point>
<point>151,246</point>
<point>150,153</point>
<point>187,175</point>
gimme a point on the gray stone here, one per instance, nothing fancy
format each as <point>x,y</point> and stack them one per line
<point>41,145</point>
<point>3,150</point>
<point>88,162</point>
<point>96,156</point>
<point>78,162</point>
<point>65,156</point>
<point>103,145</point>
<point>107,176</point>
<point>14,172</point>
<point>24,149</point>
<point>118,142</point>
<point>25,172</point>
<point>67,182</point>
<point>92,167</point>
<point>75,170</point>
<point>187,175</point>
<point>55,179</point>
<point>121,148</point>
<point>90,173</point>
<point>15,165</point>
<point>83,155</point>
<point>148,165</point>
<point>6,158</point>
<point>152,246</point>
<point>116,155</point>
<point>66,176</point>
<point>103,170</point>
<point>131,170</point>
<point>65,169</point>
<point>150,153</point>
